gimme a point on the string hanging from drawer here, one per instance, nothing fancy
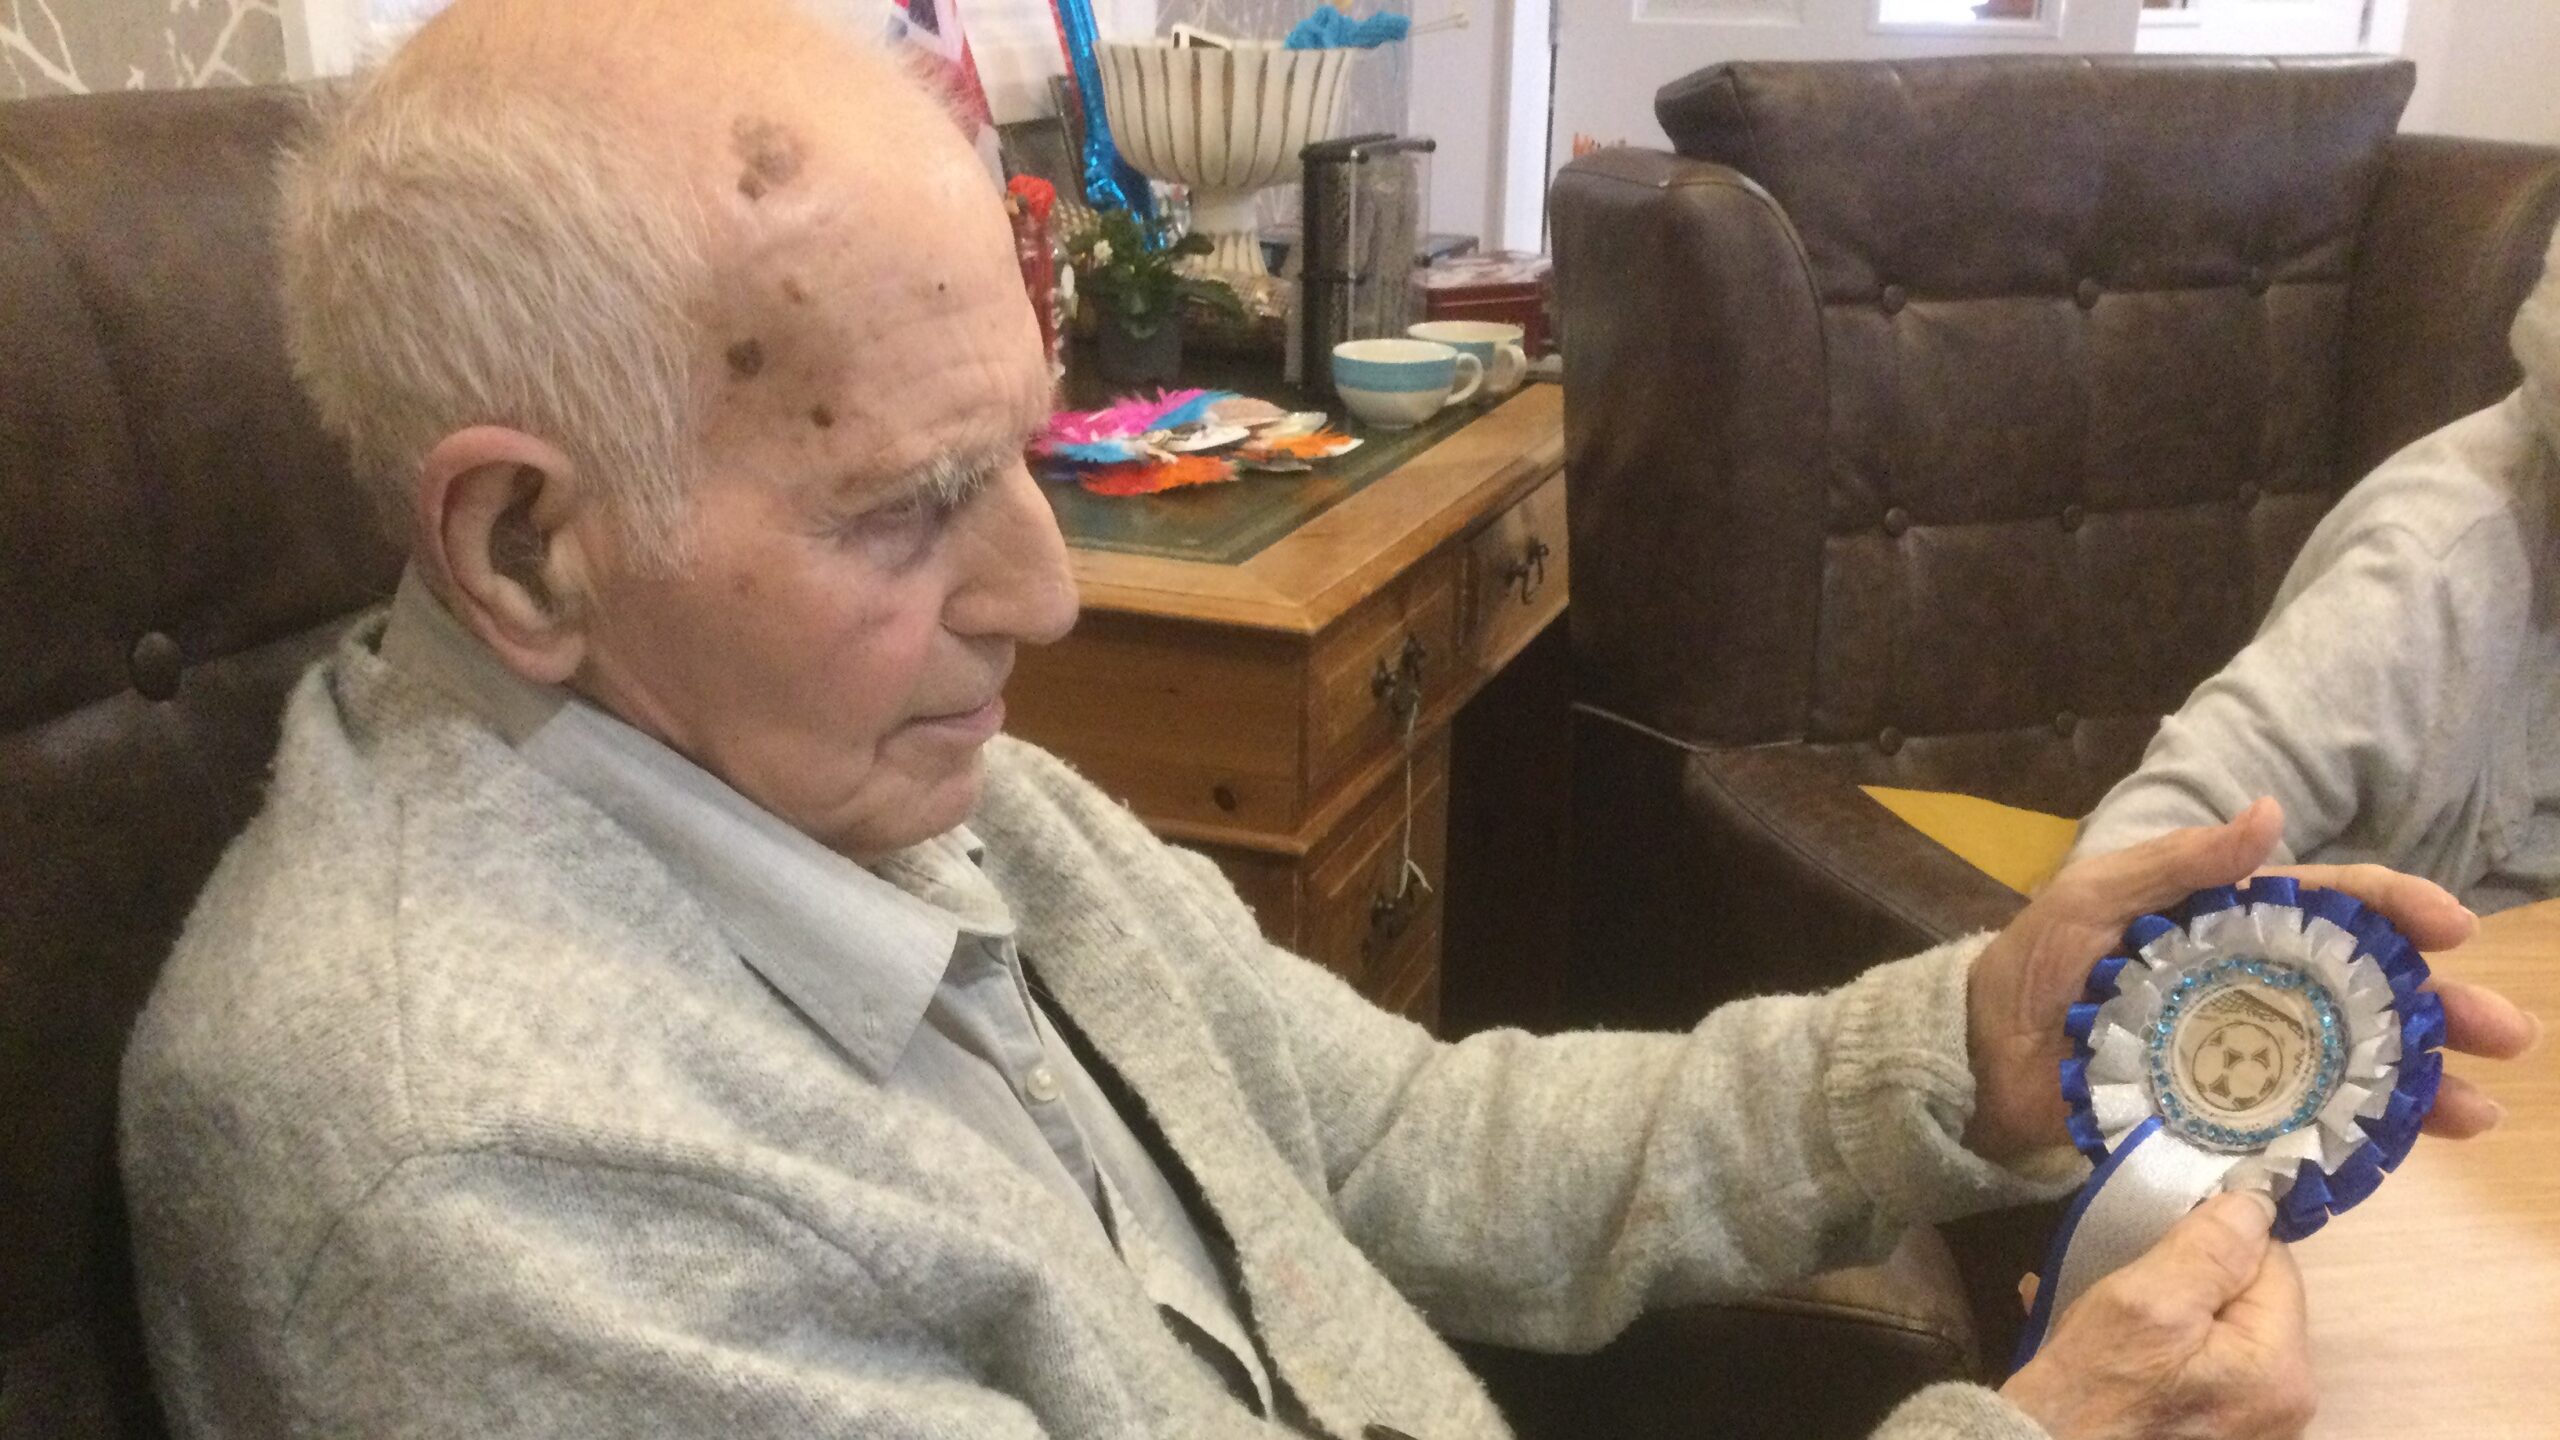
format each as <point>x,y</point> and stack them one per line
<point>1410,874</point>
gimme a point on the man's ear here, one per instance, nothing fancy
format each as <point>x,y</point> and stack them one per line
<point>499,534</point>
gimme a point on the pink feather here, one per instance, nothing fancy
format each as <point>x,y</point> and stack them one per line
<point>1135,415</point>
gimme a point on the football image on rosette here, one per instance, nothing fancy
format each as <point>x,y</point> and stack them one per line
<point>2268,1037</point>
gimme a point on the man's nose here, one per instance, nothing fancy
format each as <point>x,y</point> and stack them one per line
<point>1022,587</point>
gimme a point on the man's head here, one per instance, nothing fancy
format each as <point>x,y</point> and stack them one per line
<point>2536,337</point>
<point>689,341</point>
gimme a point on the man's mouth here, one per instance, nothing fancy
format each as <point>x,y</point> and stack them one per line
<point>981,720</point>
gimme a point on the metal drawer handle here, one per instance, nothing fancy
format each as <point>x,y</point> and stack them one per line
<point>1399,687</point>
<point>1529,572</point>
<point>1390,915</point>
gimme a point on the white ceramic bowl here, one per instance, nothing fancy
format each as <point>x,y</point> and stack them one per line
<point>1225,123</point>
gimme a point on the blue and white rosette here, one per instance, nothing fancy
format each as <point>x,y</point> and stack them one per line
<point>2269,1037</point>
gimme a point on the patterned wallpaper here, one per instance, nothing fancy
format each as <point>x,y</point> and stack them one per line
<point>51,46</point>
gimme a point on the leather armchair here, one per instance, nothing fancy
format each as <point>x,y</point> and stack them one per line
<point>178,538</point>
<point>1942,424</point>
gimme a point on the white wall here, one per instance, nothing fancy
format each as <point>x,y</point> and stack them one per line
<point>2489,69</point>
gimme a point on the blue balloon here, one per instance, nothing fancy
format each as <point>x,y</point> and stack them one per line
<point>1109,181</point>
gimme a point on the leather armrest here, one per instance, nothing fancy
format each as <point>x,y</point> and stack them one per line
<point>2453,243</point>
<point>1829,1358</point>
<point>1706,874</point>
<point>1804,825</point>
<point>1695,442</point>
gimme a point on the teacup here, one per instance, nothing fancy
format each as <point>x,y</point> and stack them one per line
<point>1494,344</point>
<point>1398,384</point>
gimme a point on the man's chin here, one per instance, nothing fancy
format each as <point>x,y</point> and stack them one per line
<point>921,814</point>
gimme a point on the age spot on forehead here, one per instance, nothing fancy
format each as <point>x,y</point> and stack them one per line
<point>793,291</point>
<point>746,359</point>
<point>771,153</point>
<point>822,416</point>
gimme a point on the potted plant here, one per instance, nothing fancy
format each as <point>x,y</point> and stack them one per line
<point>1130,273</point>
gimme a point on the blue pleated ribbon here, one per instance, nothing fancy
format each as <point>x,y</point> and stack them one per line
<point>2154,1175</point>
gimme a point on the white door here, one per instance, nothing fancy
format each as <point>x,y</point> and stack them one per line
<point>1611,55</point>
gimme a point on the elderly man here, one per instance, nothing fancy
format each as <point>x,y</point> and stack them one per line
<point>2402,699</point>
<point>656,1001</point>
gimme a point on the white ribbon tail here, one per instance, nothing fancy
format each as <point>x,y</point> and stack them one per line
<point>2153,1177</point>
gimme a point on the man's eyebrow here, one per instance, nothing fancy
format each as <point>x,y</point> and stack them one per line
<point>960,471</point>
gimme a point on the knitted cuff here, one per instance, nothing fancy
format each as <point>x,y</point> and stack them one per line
<point>1899,1090</point>
<point>1958,1412</point>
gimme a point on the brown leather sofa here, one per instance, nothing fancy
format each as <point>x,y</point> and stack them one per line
<point>1941,425</point>
<point>177,541</point>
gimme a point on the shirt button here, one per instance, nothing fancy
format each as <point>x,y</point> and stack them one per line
<point>1041,1084</point>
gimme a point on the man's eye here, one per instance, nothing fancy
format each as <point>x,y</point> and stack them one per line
<point>896,533</point>
<point>903,514</point>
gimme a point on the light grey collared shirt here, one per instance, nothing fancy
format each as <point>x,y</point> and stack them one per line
<point>909,968</point>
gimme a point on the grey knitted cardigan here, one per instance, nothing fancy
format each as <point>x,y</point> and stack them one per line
<point>452,1115</point>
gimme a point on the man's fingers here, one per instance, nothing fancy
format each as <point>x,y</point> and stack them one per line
<point>2480,1021</point>
<point>2424,910</point>
<point>2211,1255</point>
<point>2271,1312</point>
<point>2028,1284</point>
<point>2162,871</point>
<point>2462,1111</point>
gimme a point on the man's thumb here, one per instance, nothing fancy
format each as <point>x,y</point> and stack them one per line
<point>2214,1251</point>
<point>2168,868</point>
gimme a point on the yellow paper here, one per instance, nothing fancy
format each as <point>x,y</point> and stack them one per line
<point>2019,848</point>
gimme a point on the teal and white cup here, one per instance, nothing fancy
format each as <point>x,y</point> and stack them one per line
<point>1495,345</point>
<point>1398,384</point>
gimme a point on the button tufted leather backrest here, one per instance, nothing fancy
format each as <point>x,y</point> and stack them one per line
<point>1961,415</point>
<point>177,540</point>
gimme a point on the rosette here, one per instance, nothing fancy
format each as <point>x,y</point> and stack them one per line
<point>2269,1037</point>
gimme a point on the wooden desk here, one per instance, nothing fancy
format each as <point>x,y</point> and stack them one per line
<point>2435,1305</point>
<point>1256,711</point>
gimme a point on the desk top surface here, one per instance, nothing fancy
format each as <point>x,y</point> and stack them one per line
<point>1309,577</point>
<point>2435,1305</point>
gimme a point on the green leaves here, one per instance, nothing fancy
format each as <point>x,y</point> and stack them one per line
<point>1131,270</point>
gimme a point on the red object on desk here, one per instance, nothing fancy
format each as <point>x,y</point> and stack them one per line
<point>1507,285</point>
<point>1028,201</point>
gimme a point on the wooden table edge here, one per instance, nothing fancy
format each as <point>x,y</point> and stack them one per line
<point>1311,577</point>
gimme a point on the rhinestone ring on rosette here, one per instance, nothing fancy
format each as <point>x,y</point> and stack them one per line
<point>2279,1031</point>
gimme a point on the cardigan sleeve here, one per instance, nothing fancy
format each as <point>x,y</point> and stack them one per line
<point>498,1294</point>
<point>2366,705</point>
<point>1540,1191</point>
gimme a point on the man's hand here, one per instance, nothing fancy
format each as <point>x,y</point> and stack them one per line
<point>2201,1337</point>
<point>2032,972</point>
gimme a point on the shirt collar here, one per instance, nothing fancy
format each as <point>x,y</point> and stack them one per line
<point>859,953</point>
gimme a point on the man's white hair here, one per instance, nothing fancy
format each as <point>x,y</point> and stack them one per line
<point>459,254</point>
<point>2536,338</point>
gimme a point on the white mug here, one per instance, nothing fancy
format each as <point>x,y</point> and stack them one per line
<point>1492,342</point>
<point>1398,384</point>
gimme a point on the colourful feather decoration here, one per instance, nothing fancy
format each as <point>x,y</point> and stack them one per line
<point>1156,476</point>
<point>1126,420</point>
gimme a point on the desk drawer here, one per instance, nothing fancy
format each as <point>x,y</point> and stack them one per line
<point>1398,649</point>
<point>1515,581</point>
